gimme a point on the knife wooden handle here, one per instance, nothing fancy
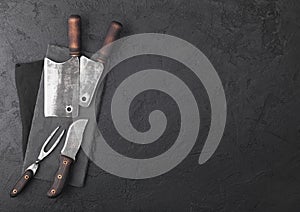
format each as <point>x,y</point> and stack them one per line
<point>74,33</point>
<point>60,177</point>
<point>112,34</point>
<point>21,183</point>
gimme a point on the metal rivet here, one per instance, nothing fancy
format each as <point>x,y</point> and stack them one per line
<point>69,109</point>
<point>65,162</point>
<point>53,191</point>
<point>59,176</point>
<point>15,191</point>
<point>83,98</point>
<point>26,177</point>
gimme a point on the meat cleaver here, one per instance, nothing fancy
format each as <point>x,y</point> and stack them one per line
<point>61,87</point>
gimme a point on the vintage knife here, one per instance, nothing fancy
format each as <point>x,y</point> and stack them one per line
<point>90,73</point>
<point>68,155</point>
<point>61,88</point>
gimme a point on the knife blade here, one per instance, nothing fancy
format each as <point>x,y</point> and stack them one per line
<point>61,88</point>
<point>90,71</point>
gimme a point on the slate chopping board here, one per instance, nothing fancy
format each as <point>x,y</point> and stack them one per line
<point>41,128</point>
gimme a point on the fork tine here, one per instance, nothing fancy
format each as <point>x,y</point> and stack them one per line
<point>43,153</point>
<point>50,137</point>
<point>56,142</point>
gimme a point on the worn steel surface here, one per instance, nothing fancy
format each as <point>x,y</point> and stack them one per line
<point>74,138</point>
<point>90,73</point>
<point>61,88</point>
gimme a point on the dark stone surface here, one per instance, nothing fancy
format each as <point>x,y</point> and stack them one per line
<point>254,46</point>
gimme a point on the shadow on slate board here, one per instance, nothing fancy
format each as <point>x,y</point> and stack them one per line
<point>27,76</point>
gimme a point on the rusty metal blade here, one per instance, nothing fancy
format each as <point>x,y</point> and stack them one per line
<point>61,88</point>
<point>90,73</point>
<point>74,138</point>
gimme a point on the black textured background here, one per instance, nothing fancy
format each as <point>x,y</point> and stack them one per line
<point>254,46</point>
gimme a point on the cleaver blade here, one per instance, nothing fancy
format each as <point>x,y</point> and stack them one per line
<point>61,88</point>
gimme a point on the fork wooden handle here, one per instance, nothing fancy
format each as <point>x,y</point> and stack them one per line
<point>74,33</point>
<point>21,183</point>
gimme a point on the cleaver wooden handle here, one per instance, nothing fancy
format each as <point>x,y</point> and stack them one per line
<point>112,34</point>
<point>60,176</point>
<point>74,33</point>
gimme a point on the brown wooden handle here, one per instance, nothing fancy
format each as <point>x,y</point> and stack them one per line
<point>60,177</point>
<point>112,34</point>
<point>21,183</point>
<point>74,33</point>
